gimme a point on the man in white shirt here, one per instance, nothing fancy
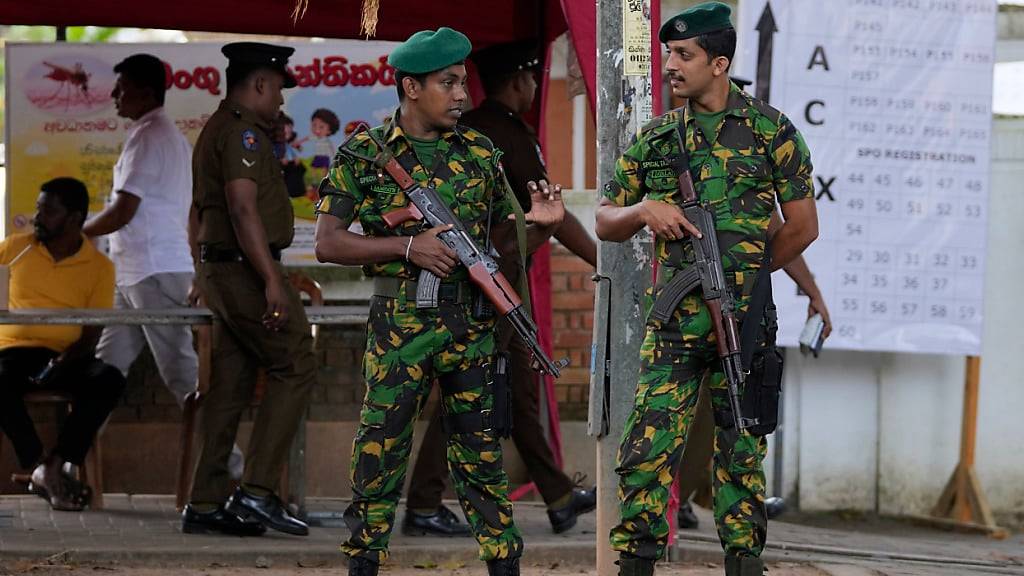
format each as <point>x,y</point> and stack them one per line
<point>147,220</point>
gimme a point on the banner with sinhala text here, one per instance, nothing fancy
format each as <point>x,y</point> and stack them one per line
<point>894,98</point>
<point>61,119</point>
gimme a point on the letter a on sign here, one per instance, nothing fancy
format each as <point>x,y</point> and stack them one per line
<point>818,58</point>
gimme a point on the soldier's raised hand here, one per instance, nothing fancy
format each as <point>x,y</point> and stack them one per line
<point>546,207</point>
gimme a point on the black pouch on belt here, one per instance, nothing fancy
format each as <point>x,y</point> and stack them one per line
<point>763,389</point>
<point>482,307</point>
<point>501,411</point>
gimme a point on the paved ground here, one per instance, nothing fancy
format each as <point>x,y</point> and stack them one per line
<point>140,535</point>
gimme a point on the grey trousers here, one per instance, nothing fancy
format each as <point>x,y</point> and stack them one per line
<point>171,345</point>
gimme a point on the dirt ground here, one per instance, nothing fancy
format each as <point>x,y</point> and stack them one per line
<point>44,569</point>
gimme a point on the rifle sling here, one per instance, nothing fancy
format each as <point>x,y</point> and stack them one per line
<point>760,297</point>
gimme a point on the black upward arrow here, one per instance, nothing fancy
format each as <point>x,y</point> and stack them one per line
<point>766,39</point>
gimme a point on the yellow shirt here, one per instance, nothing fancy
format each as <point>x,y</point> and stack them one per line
<point>83,280</point>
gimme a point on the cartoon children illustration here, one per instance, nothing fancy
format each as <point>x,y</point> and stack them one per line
<point>323,125</point>
<point>284,150</point>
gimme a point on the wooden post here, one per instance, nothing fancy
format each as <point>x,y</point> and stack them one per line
<point>624,268</point>
<point>962,505</point>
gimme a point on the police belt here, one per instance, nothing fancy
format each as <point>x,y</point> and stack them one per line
<point>447,293</point>
<point>209,253</point>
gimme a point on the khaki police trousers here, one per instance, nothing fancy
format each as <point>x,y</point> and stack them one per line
<point>241,345</point>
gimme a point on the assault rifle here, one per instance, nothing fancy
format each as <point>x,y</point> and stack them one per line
<point>426,205</point>
<point>706,272</point>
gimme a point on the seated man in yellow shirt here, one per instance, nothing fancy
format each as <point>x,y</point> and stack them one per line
<point>56,267</point>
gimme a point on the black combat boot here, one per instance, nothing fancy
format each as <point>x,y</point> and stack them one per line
<point>743,566</point>
<point>630,565</point>
<point>503,567</point>
<point>359,566</point>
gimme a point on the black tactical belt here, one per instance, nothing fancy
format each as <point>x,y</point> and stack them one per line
<point>468,422</point>
<point>447,292</point>
<point>208,253</point>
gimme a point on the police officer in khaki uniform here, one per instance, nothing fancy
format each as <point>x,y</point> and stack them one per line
<point>241,219</point>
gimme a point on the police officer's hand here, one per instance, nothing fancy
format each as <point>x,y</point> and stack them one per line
<point>429,253</point>
<point>667,220</point>
<point>195,296</point>
<point>276,316</point>
<point>817,306</point>
<point>546,206</point>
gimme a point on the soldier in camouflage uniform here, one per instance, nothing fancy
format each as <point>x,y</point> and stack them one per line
<point>407,347</point>
<point>743,157</point>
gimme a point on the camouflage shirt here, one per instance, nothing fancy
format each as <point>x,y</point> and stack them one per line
<point>759,155</point>
<point>466,173</point>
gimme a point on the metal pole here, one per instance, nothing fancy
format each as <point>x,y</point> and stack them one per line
<point>624,269</point>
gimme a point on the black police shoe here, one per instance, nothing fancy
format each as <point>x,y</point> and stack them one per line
<point>774,507</point>
<point>442,522</point>
<point>268,510</point>
<point>581,502</point>
<point>503,567</point>
<point>359,566</point>
<point>218,521</point>
<point>685,517</point>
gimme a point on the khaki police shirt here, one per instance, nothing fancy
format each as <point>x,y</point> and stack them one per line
<point>236,144</point>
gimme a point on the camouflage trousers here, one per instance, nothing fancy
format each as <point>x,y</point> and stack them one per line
<point>674,360</point>
<point>405,350</point>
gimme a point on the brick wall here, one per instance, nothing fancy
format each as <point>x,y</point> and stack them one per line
<point>572,323</point>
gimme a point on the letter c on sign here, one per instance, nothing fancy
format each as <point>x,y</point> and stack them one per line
<point>807,113</point>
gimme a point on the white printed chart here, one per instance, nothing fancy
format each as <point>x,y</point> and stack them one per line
<point>894,99</point>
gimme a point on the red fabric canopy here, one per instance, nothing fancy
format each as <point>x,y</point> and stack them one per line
<point>485,22</point>
<point>581,17</point>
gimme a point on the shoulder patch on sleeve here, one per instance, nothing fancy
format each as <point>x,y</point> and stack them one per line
<point>249,140</point>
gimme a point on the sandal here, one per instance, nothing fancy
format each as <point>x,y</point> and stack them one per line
<point>73,496</point>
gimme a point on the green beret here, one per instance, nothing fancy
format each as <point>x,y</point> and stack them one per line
<point>701,19</point>
<point>427,51</point>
